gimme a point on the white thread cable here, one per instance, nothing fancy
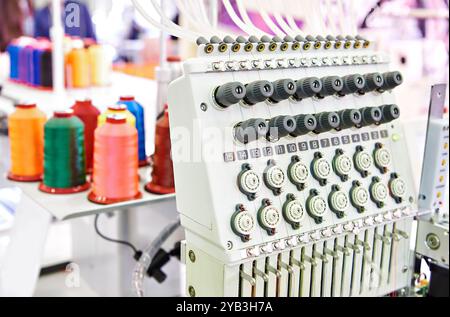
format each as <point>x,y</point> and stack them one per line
<point>207,21</point>
<point>166,21</point>
<point>291,20</point>
<point>203,14</point>
<point>282,23</point>
<point>319,17</point>
<point>186,34</point>
<point>235,18</point>
<point>330,17</point>
<point>341,13</point>
<point>192,19</point>
<point>354,19</point>
<point>246,19</point>
<point>265,16</point>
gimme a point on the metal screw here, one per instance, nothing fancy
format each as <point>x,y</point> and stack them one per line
<point>192,256</point>
<point>433,241</point>
<point>404,269</point>
<point>191,291</point>
<point>229,245</point>
<point>203,107</point>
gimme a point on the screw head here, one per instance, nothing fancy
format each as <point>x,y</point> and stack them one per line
<point>203,107</point>
<point>192,256</point>
<point>432,241</point>
<point>191,291</point>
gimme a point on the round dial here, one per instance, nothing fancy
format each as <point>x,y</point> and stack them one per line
<point>294,211</point>
<point>250,182</point>
<point>250,130</point>
<point>338,201</point>
<point>317,206</point>
<point>363,161</point>
<point>382,157</point>
<point>322,168</point>
<point>398,187</point>
<point>258,91</point>
<point>390,113</point>
<point>374,81</point>
<point>269,217</point>
<point>379,192</point>
<point>372,115</point>
<point>283,89</point>
<point>244,223</point>
<point>299,172</point>
<point>308,87</point>
<point>359,196</point>
<point>343,164</point>
<point>392,80</point>
<point>275,177</point>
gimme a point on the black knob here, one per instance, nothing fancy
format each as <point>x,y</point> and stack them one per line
<point>372,115</point>
<point>250,130</point>
<point>283,89</point>
<point>307,87</point>
<point>331,85</point>
<point>374,81</point>
<point>327,121</point>
<point>229,94</point>
<point>305,123</point>
<point>390,113</point>
<point>280,127</point>
<point>392,80</point>
<point>258,91</point>
<point>352,84</point>
<point>350,118</point>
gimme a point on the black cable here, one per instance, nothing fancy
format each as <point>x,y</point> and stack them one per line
<point>137,253</point>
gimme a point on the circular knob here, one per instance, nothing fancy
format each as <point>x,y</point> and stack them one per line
<point>359,197</point>
<point>321,170</point>
<point>258,91</point>
<point>293,211</point>
<point>327,121</point>
<point>374,81</point>
<point>305,123</point>
<point>243,223</point>
<point>250,130</point>
<point>275,177</point>
<point>316,206</point>
<point>352,84</point>
<point>378,193</point>
<point>338,202</point>
<point>342,165</point>
<point>283,89</point>
<point>363,161</point>
<point>298,173</point>
<point>269,217</point>
<point>382,158</point>
<point>249,182</point>
<point>350,118</point>
<point>390,113</point>
<point>280,127</point>
<point>331,85</point>
<point>372,115</point>
<point>397,188</point>
<point>392,80</point>
<point>307,87</point>
<point>229,94</point>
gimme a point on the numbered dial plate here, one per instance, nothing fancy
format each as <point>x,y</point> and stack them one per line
<point>398,187</point>
<point>382,158</point>
<point>244,223</point>
<point>317,206</point>
<point>379,192</point>
<point>363,161</point>
<point>322,168</point>
<point>299,172</point>
<point>294,211</point>
<point>250,182</point>
<point>343,164</point>
<point>269,217</point>
<point>339,201</point>
<point>275,177</point>
<point>360,196</point>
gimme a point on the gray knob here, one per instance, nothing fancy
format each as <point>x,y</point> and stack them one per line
<point>371,115</point>
<point>280,127</point>
<point>352,84</point>
<point>392,80</point>
<point>331,85</point>
<point>327,121</point>
<point>258,91</point>
<point>374,81</point>
<point>307,87</point>
<point>390,113</point>
<point>229,94</point>
<point>350,118</point>
<point>305,123</point>
<point>283,89</point>
<point>250,130</point>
